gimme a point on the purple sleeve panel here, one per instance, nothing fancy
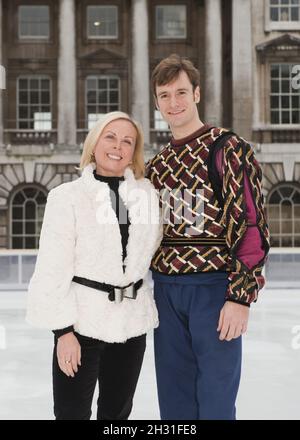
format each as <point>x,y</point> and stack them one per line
<point>250,250</point>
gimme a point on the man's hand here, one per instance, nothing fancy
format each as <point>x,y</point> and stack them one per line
<point>68,354</point>
<point>233,320</point>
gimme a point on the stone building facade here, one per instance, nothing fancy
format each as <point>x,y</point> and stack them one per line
<point>67,62</point>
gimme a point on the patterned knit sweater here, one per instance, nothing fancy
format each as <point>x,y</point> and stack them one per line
<point>180,174</point>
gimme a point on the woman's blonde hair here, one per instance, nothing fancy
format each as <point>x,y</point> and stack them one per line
<point>87,157</point>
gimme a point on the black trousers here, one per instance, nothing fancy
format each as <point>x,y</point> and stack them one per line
<point>116,366</point>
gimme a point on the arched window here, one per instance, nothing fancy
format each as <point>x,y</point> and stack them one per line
<point>26,217</point>
<point>284,215</point>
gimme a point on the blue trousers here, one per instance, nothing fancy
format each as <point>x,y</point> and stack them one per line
<point>197,374</point>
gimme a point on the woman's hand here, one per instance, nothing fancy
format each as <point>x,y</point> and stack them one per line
<point>68,354</point>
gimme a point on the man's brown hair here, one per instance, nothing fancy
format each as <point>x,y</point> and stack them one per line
<point>168,70</point>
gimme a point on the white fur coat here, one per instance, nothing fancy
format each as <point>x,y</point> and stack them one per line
<point>81,236</point>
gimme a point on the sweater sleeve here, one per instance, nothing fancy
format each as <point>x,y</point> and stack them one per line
<point>242,195</point>
<point>250,249</point>
<point>51,302</point>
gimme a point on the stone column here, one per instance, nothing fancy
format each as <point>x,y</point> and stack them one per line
<point>242,67</point>
<point>67,74</point>
<point>213,63</point>
<point>140,64</point>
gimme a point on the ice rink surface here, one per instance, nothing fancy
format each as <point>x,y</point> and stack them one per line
<point>270,385</point>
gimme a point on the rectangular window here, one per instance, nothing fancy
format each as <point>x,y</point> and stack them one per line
<point>171,21</point>
<point>102,22</point>
<point>284,96</point>
<point>34,22</point>
<point>102,96</point>
<point>284,10</point>
<point>34,103</point>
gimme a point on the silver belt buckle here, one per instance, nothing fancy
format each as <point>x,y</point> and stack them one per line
<point>129,291</point>
<point>119,293</point>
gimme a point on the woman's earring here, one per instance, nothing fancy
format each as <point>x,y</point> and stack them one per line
<point>93,157</point>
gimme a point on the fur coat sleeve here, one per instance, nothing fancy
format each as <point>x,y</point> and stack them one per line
<point>51,303</point>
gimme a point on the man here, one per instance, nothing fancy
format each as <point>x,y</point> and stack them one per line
<point>208,267</point>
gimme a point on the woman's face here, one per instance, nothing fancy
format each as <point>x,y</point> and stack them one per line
<point>115,147</point>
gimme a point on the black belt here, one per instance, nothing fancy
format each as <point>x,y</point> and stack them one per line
<point>193,241</point>
<point>116,293</point>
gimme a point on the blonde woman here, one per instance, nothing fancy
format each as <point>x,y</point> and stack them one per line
<point>90,284</point>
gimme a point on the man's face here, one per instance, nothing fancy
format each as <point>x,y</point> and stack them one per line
<point>177,102</point>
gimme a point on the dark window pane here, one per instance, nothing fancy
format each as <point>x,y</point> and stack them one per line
<point>23,112</point>
<point>91,97</point>
<point>34,84</point>
<point>274,86</point>
<point>30,243</point>
<point>17,212</point>
<point>286,192</point>
<point>34,97</point>
<point>91,109</point>
<point>296,117</point>
<point>113,97</point>
<point>113,83</point>
<point>285,117</point>
<point>295,14</point>
<point>23,83</point>
<point>274,14</point>
<point>17,243</point>
<point>285,71</point>
<point>45,84</point>
<point>29,227</point>
<point>30,210</point>
<point>296,102</point>
<point>41,198</point>
<point>102,84</point>
<point>274,117</point>
<point>274,102</point>
<point>102,97</point>
<point>285,102</point>
<point>23,125</point>
<point>17,228</point>
<point>274,71</point>
<point>45,97</point>
<point>23,97</point>
<point>285,86</point>
<point>30,192</point>
<point>46,109</point>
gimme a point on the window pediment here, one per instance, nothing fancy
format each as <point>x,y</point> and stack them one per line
<point>286,42</point>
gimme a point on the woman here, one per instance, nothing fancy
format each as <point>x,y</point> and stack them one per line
<point>99,234</point>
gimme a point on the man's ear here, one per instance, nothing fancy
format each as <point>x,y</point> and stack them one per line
<point>156,103</point>
<point>197,95</point>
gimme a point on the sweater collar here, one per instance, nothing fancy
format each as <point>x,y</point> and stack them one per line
<point>196,134</point>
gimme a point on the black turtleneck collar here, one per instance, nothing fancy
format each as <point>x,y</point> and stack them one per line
<point>111,180</point>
